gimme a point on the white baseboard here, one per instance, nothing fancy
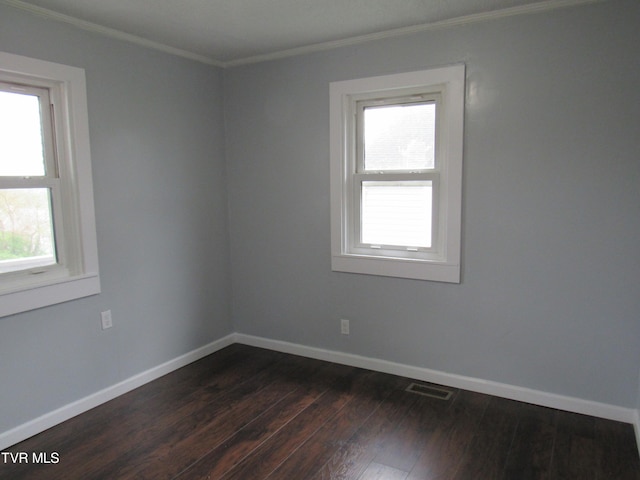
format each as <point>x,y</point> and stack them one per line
<point>522,394</point>
<point>571,404</point>
<point>48,420</point>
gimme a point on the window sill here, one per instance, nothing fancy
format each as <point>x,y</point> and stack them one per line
<point>394,267</point>
<point>49,293</point>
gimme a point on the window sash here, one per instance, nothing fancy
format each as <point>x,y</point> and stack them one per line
<point>50,181</point>
<point>403,100</point>
<point>34,229</point>
<point>355,244</point>
<point>47,125</point>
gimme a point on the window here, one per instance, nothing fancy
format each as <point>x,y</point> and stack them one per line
<point>396,174</point>
<point>48,248</point>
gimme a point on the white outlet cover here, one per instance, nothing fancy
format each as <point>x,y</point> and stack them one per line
<point>344,326</point>
<point>107,321</point>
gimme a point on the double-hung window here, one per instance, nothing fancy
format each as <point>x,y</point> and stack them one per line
<point>48,248</point>
<point>396,171</point>
<point>29,182</point>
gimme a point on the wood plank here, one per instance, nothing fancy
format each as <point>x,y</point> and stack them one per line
<point>273,452</point>
<point>377,471</point>
<point>619,457</point>
<point>444,452</point>
<point>224,443</point>
<point>311,455</point>
<point>532,448</point>
<point>242,444</point>
<point>352,459</point>
<point>221,412</point>
<point>404,446</point>
<point>575,452</point>
<point>487,454</point>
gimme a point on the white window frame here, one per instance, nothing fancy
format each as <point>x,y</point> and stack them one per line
<point>441,262</point>
<point>76,273</point>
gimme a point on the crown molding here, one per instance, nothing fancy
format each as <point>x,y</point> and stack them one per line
<point>543,6</point>
<point>539,7</point>
<point>110,32</point>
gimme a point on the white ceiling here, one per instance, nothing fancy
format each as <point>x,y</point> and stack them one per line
<point>228,32</point>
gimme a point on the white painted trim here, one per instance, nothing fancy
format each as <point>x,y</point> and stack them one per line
<point>48,420</point>
<point>571,404</point>
<point>77,273</point>
<point>442,263</point>
<point>110,32</point>
<point>513,392</point>
<point>538,7</point>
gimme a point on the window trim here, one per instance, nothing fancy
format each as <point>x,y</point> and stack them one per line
<point>442,261</point>
<point>79,275</point>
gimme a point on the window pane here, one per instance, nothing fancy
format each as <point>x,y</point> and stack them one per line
<point>400,137</point>
<point>397,215</point>
<point>21,151</point>
<point>26,229</point>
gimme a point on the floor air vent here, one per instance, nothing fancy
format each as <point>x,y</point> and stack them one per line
<point>429,391</point>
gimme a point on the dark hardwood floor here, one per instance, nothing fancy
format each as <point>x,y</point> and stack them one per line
<point>248,414</point>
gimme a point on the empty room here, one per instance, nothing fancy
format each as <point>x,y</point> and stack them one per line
<point>320,239</point>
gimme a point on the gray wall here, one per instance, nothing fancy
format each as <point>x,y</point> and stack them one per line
<point>638,412</point>
<point>156,124</point>
<point>550,297</point>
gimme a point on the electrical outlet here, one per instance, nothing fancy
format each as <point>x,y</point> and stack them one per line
<point>344,326</point>
<point>107,321</point>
